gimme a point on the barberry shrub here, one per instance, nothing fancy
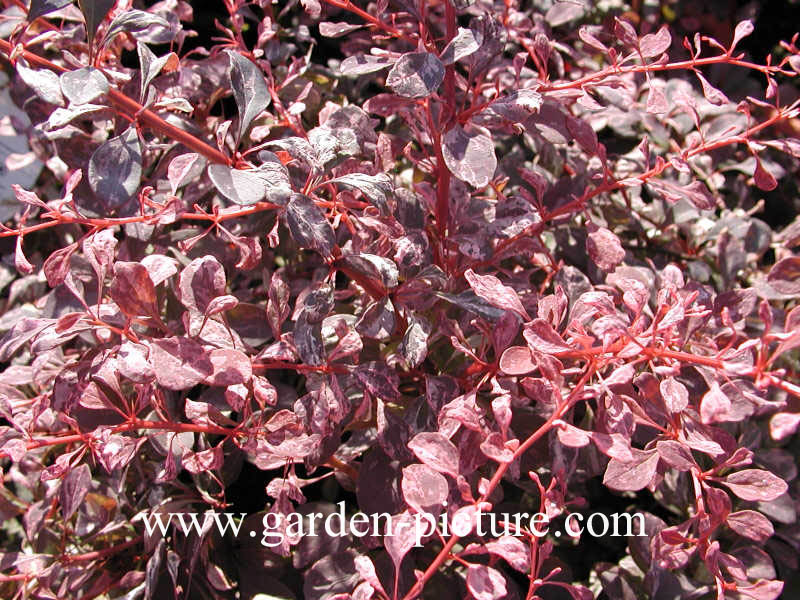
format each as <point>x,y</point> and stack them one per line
<point>429,257</point>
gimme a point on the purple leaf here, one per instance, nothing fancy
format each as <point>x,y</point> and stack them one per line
<point>603,247</point>
<point>182,168</point>
<point>379,379</point>
<point>656,100</point>
<point>221,304</point>
<point>334,30</point>
<point>424,489</point>
<point>655,44</point>
<point>462,45</point>
<point>83,85</point>
<point>541,337</point>
<point>755,485</point>
<point>751,524</point>
<point>200,282</point>
<point>361,64</point>
<point>494,447</point>
<point>206,460</point>
<point>676,455</point>
<point>133,290</point>
<point>486,583</point>
<point>762,589</point>
<point>625,33</point>
<point>561,13</point>
<point>583,134</point>
<point>631,476</point>
<point>99,251</point>
<point>73,490</point>
<point>39,8</point>
<point>416,75</point>
<point>22,264</point>
<point>784,275</point>
<point>414,346</point>
<point>56,267</point>
<point>230,367</point>
<point>376,188</point>
<point>783,424</point>
<point>715,406</point>
<point>115,169</point>
<point>712,94</point>
<point>249,90</point>
<point>133,363</point>
<point>470,156</point>
<point>238,186</point>
<point>400,537</point>
<point>495,293</point>
<point>514,551</point>
<point>181,362</point>
<point>743,29</point>
<point>436,451</point>
<point>43,81</point>
<point>308,225</point>
<point>764,179</point>
<point>517,360</point>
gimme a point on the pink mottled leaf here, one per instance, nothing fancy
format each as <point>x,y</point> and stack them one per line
<point>436,451</point>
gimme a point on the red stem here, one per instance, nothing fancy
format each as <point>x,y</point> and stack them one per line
<point>498,475</point>
<point>134,110</point>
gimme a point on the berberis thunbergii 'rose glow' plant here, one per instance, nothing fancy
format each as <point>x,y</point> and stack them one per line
<point>438,257</point>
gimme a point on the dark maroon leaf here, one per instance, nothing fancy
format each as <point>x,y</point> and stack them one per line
<point>764,179</point>
<point>40,8</point>
<point>94,13</point>
<point>784,276</point>
<point>379,380</point>
<point>249,90</point>
<point>308,225</point>
<point>133,290</point>
<point>73,490</point>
